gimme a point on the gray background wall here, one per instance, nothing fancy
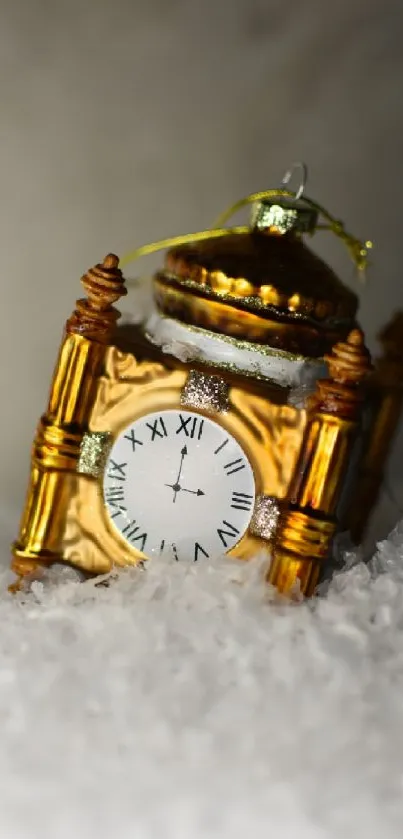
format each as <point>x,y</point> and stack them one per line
<point>126,121</point>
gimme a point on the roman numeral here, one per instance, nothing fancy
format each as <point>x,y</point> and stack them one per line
<point>192,426</point>
<point>222,446</point>
<point>241,501</point>
<point>117,512</point>
<point>157,428</point>
<point>114,494</point>
<point>113,497</point>
<point>130,530</point>
<point>133,440</point>
<point>231,532</point>
<point>116,471</point>
<point>141,538</point>
<point>199,549</point>
<point>234,466</point>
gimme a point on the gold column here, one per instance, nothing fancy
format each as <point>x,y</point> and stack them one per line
<point>56,447</point>
<point>308,522</point>
<point>385,405</point>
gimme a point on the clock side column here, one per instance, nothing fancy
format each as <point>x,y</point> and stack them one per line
<point>56,447</point>
<point>309,522</point>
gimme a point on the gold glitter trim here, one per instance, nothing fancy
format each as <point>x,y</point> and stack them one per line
<point>219,287</point>
<point>94,450</point>
<point>182,269</point>
<point>265,517</point>
<point>208,393</point>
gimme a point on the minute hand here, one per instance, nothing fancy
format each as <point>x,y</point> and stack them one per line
<point>183,452</point>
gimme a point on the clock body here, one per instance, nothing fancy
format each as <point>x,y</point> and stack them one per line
<point>176,462</point>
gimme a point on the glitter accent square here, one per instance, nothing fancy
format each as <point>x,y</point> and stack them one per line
<point>94,450</point>
<point>208,393</point>
<point>265,516</point>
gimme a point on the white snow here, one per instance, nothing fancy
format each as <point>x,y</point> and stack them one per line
<point>189,701</point>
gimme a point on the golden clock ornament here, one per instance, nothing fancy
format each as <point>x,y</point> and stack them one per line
<point>227,422</point>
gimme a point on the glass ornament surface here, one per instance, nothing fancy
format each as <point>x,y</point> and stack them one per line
<point>229,429</point>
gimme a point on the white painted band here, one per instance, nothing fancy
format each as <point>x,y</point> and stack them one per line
<point>193,343</point>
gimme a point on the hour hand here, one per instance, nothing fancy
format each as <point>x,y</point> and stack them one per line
<point>177,488</point>
<point>193,491</point>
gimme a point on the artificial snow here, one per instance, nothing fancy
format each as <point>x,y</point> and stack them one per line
<point>188,700</point>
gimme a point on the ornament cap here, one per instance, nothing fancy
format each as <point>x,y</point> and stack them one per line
<point>280,216</point>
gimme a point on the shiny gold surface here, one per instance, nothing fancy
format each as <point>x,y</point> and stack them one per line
<point>57,445</point>
<point>43,522</point>
<point>277,271</point>
<point>56,452</point>
<point>184,303</point>
<point>298,558</point>
<point>309,519</point>
<point>322,465</point>
<point>129,390</point>
<point>65,515</point>
<point>79,361</point>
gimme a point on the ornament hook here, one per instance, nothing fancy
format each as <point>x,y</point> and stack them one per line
<point>304,177</point>
<point>358,250</point>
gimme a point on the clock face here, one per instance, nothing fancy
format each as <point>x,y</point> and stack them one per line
<point>176,483</point>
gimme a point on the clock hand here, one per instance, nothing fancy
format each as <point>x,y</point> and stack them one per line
<point>193,491</point>
<point>176,486</point>
<point>183,453</point>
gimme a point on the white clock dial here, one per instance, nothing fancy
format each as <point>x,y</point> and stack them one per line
<point>177,483</point>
